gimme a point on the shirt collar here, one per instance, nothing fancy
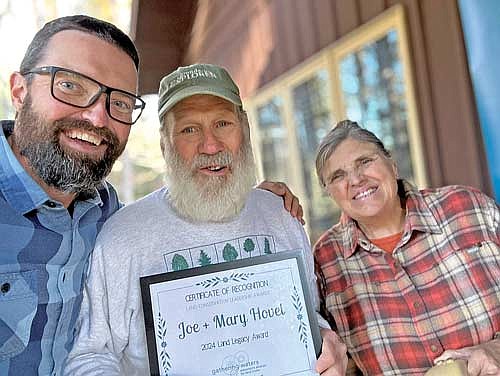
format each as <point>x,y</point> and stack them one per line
<point>419,217</point>
<point>19,189</point>
<point>17,186</point>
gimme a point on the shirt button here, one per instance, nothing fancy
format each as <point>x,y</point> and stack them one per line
<point>51,204</point>
<point>416,304</point>
<point>434,348</point>
<point>5,287</point>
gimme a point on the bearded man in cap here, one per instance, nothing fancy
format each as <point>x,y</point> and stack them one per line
<point>205,139</point>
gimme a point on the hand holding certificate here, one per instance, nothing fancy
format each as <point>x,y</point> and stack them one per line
<point>248,317</point>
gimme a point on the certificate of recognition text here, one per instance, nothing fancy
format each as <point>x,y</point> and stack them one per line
<point>249,317</point>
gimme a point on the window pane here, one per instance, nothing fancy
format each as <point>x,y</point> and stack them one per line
<point>273,142</point>
<point>313,119</point>
<point>374,95</point>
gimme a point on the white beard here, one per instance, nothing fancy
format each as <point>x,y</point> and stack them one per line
<point>201,198</point>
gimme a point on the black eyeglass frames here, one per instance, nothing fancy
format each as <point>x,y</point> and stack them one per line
<point>79,90</point>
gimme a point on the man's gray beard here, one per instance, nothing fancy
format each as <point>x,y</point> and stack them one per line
<point>214,198</point>
<point>66,174</point>
<point>38,141</point>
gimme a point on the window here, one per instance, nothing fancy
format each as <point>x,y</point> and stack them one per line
<point>375,88</point>
<point>311,101</point>
<point>273,142</point>
<point>365,77</point>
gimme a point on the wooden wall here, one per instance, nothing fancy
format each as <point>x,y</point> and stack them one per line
<point>258,40</point>
<point>160,29</point>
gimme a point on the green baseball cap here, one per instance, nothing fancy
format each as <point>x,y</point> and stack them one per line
<point>196,79</point>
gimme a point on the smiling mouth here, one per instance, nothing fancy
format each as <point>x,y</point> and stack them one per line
<point>365,194</point>
<point>219,164</point>
<point>215,168</point>
<point>85,136</point>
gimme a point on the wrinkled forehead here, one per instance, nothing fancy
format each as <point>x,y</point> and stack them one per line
<point>349,152</point>
<point>202,103</point>
<point>196,106</point>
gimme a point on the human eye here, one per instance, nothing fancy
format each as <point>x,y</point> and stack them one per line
<point>336,178</point>
<point>223,124</point>
<point>366,161</point>
<point>188,130</point>
<point>122,105</point>
<point>121,102</point>
<point>69,86</point>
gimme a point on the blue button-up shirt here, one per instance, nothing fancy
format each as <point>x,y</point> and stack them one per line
<point>44,252</point>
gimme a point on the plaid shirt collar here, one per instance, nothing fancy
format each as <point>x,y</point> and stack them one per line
<point>419,217</point>
<point>17,186</point>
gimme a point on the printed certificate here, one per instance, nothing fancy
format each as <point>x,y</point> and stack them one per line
<point>248,317</point>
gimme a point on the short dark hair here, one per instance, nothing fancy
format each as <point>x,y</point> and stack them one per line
<point>101,29</point>
<point>342,131</point>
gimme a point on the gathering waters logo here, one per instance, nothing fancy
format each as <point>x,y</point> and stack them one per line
<point>238,364</point>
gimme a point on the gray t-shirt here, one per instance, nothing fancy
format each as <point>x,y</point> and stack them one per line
<point>142,239</point>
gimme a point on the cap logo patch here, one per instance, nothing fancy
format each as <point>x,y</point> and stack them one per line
<point>191,75</point>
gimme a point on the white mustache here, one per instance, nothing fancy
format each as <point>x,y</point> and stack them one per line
<point>223,158</point>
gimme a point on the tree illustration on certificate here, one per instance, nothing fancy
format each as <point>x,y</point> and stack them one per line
<point>179,263</point>
<point>204,259</point>
<point>229,253</point>
<point>248,245</point>
<point>267,247</point>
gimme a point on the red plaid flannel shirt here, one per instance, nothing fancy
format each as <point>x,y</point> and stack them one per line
<point>439,290</point>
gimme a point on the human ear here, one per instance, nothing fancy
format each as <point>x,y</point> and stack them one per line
<point>162,145</point>
<point>395,169</point>
<point>18,90</point>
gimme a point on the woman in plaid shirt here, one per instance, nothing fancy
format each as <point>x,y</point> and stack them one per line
<point>408,277</point>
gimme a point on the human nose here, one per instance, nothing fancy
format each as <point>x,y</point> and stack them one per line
<point>97,113</point>
<point>355,175</point>
<point>210,143</point>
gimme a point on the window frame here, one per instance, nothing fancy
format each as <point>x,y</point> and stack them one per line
<point>329,59</point>
<point>392,19</point>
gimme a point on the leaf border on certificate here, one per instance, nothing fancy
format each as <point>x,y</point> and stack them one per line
<point>155,332</point>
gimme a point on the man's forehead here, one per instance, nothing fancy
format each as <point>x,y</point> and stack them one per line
<point>205,99</point>
<point>93,56</point>
<point>202,103</point>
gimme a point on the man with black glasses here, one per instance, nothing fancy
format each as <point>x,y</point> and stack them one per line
<point>75,97</point>
<point>75,100</point>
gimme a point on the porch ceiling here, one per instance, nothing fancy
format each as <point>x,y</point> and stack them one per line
<point>160,29</point>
